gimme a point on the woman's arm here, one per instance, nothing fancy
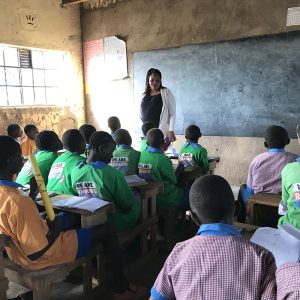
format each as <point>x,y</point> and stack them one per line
<point>171,105</point>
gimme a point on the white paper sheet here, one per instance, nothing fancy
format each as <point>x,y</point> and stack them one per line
<point>135,180</point>
<point>85,203</point>
<point>284,246</point>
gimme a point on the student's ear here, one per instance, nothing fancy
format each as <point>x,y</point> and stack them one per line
<point>195,218</point>
<point>266,145</point>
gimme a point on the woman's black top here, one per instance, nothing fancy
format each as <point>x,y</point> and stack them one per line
<point>151,107</point>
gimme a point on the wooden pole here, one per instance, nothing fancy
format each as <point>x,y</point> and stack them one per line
<point>41,186</point>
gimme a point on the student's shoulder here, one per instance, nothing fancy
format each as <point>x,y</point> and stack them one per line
<point>291,167</point>
<point>15,197</point>
<point>258,159</point>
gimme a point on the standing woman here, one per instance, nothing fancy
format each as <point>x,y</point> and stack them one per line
<point>158,104</point>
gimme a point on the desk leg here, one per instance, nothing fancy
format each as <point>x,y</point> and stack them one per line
<point>3,280</point>
<point>143,236</point>
<point>250,207</point>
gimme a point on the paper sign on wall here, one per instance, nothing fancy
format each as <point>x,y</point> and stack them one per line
<point>293,16</point>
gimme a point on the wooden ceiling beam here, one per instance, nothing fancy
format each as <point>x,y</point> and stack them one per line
<point>67,2</point>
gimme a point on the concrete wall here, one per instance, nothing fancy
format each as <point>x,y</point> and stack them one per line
<point>157,24</point>
<point>53,28</point>
<point>58,119</point>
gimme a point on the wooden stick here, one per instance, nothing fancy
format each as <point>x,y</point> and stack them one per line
<point>41,186</point>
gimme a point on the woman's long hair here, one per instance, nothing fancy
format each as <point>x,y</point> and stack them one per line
<point>149,73</point>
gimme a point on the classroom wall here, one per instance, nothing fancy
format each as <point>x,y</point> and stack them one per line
<point>54,28</point>
<point>157,24</point>
<point>58,119</point>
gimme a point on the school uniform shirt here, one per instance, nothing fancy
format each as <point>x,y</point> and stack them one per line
<point>217,264</point>
<point>193,154</point>
<point>45,160</point>
<point>126,160</point>
<point>143,144</point>
<point>20,220</point>
<point>103,181</point>
<point>291,193</point>
<point>265,170</point>
<point>27,146</point>
<point>59,179</point>
<point>288,282</point>
<point>154,165</point>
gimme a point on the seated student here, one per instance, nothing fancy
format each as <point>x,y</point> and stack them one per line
<point>288,281</point>
<point>47,143</point>
<point>125,158</point>
<point>217,263</point>
<point>154,165</point>
<point>114,124</point>
<point>59,179</point>
<point>39,244</point>
<point>28,144</point>
<point>290,204</point>
<point>87,131</point>
<point>95,178</point>
<point>15,131</point>
<point>191,153</point>
<point>265,169</point>
<point>145,128</point>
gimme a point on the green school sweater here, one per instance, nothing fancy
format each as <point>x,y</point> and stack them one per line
<point>59,179</point>
<point>103,181</point>
<point>154,165</point>
<point>45,160</point>
<point>144,144</point>
<point>126,160</point>
<point>192,154</point>
<point>291,193</point>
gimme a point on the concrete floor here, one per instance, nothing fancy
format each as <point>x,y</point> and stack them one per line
<point>143,274</point>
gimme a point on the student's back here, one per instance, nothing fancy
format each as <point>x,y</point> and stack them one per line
<point>218,267</point>
<point>265,170</point>
<point>48,144</point>
<point>217,263</point>
<point>59,179</point>
<point>17,213</point>
<point>125,158</point>
<point>192,153</point>
<point>101,180</point>
<point>154,165</point>
<point>96,178</point>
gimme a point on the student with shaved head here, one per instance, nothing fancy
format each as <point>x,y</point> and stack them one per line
<point>47,143</point>
<point>59,179</point>
<point>154,165</point>
<point>95,178</point>
<point>217,263</point>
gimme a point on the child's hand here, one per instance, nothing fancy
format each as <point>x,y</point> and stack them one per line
<point>57,224</point>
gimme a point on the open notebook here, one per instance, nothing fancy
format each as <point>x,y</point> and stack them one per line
<point>284,242</point>
<point>85,203</point>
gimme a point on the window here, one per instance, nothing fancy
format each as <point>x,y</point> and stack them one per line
<point>32,77</point>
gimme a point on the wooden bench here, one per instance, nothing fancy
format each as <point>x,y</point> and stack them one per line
<point>40,281</point>
<point>268,202</point>
<point>3,279</point>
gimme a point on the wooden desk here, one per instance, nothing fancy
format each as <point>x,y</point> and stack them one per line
<point>88,219</point>
<point>266,199</point>
<point>3,279</point>
<point>212,164</point>
<point>247,230</point>
<point>148,194</point>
